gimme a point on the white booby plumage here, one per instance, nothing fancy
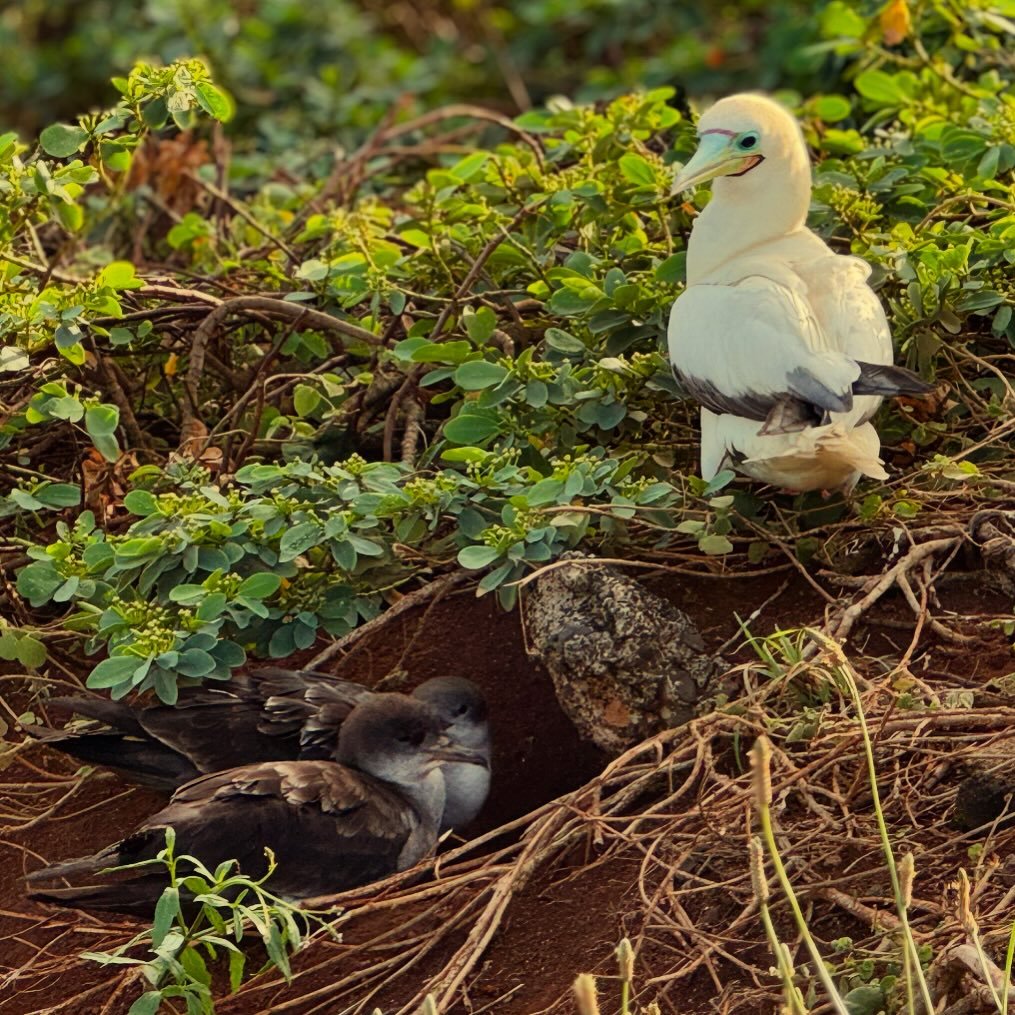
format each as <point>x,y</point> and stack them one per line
<point>780,340</point>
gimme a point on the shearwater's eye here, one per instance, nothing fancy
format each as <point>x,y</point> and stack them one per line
<point>414,738</point>
<point>748,141</point>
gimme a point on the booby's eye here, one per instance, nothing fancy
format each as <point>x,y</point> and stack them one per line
<point>414,739</point>
<point>462,710</point>
<point>748,141</point>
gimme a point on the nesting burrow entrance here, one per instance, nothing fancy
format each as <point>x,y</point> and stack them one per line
<point>578,847</point>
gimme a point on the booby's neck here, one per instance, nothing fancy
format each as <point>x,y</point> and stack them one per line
<point>768,203</point>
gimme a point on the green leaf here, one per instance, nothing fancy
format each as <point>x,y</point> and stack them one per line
<point>62,140</point>
<point>195,662</point>
<point>213,101</point>
<point>469,166</point>
<point>107,446</point>
<point>212,607</point>
<point>471,428</point>
<point>715,545</point>
<point>120,336</point>
<point>673,269</point>
<point>114,670</point>
<point>31,653</point>
<point>608,416</point>
<point>193,962</point>
<point>72,218</point>
<point>138,547</point>
<point>9,646</point>
<point>305,399</point>
<point>465,455</point>
<point>74,352</point>
<point>479,324</point>
<point>119,275</point>
<point>866,999</point>
<point>140,503</point>
<point>492,579</point>
<point>59,495</point>
<point>237,960</point>
<point>38,581</point>
<point>275,948</point>
<point>840,19</point>
<point>476,557</point>
<point>167,909</point>
<point>536,394</point>
<point>832,108</point>
<point>101,422</point>
<point>478,374</point>
<point>156,113</point>
<point>299,539</point>
<point>569,303</point>
<point>147,1004</point>
<point>719,482</point>
<point>442,352</point>
<point>564,342</point>
<point>229,654</point>
<point>260,586</point>
<point>881,88</point>
<point>637,169</point>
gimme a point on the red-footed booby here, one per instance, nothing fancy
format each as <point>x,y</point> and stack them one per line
<point>781,341</point>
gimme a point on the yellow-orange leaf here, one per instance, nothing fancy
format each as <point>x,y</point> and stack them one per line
<point>172,361</point>
<point>895,22</point>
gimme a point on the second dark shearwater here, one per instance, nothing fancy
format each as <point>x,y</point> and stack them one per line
<point>271,714</point>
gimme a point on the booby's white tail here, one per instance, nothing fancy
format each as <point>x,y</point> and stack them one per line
<point>831,457</point>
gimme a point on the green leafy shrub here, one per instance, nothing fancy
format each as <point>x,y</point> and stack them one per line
<point>182,940</point>
<point>323,391</point>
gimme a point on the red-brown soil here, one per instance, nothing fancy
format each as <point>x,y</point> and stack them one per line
<point>565,921</point>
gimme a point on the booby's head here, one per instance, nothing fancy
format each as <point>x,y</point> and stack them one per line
<point>398,739</point>
<point>460,703</point>
<point>755,152</point>
<point>746,138</point>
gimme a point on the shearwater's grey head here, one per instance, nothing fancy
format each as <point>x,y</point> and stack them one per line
<point>397,739</point>
<point>462,706</point>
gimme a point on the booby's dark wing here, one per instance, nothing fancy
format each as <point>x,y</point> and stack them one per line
<point>330,828</point>
<point>759,349</point>
<point>744,349</point>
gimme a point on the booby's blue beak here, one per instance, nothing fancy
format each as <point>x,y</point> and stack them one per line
<point>720,153</point>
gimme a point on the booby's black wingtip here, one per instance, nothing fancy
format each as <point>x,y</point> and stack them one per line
<point>889,381</point>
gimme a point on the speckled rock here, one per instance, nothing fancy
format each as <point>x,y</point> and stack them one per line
<point>625,663</point>
<point>993,533</point>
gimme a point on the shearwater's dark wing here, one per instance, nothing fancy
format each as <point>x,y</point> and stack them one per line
<point>330,828</point>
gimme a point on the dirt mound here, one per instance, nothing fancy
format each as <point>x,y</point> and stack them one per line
<point>576,850</point>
